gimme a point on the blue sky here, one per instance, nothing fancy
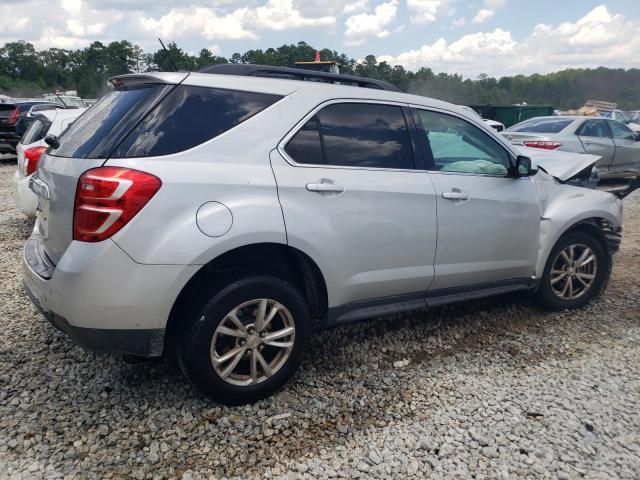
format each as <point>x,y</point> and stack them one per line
<point>498,37</point>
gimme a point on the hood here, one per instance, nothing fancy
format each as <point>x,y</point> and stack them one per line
<point>561,165</point>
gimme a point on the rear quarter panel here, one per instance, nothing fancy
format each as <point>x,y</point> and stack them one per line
<point>232,169</point>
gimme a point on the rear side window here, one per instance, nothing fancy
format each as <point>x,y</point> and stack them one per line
<point>541,126</point>
<point>97,132</point>
<point>355,135</point>
<point>37,131</point>
<point>189,116</point>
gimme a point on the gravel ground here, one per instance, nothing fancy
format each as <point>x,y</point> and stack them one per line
<point>490,389</point>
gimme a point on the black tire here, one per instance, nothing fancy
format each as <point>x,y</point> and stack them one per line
<point>545,294</point>
<point>194,343</point>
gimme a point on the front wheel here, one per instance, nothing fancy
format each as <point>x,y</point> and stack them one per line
<point>248,340</point>
<point>575,273</point>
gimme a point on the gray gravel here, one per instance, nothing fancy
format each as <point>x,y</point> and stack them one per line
<point>489,389</point>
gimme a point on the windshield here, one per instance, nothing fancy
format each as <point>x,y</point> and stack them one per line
<point>541,125</point>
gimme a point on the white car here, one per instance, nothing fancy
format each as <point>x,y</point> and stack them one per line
<point>31,148</point>
<point>497,126</point>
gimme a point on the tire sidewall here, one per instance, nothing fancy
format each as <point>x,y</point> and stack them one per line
<point>195,343</point>
<point>545,292</point>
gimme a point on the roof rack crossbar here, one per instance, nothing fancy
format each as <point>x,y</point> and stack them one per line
<point>253,70</point>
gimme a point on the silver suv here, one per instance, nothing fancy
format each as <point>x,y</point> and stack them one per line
<point>231,216</point>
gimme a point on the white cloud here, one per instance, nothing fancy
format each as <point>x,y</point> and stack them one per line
<point>488,10</point>
<point>180,22</point>
<point>281,15</point>
<point>71,6</point>
<point>424,11</point>
<point>241,23</point>
<point>364,25</point>
<point>356,6</point>
<point>597,39</point>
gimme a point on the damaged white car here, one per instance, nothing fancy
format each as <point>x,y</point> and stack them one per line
<point>231,216</point>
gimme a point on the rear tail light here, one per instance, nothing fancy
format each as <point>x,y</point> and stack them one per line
<point>31,159</point>
<point>545,144</point>
<point>107,198</point>
<point>13,118</point>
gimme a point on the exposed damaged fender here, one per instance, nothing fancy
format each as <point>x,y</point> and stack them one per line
<point>563,166</point>
<point>564,206</point>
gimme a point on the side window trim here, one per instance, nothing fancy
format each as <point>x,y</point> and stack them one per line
<point>431,161</point>
<point>298,126</point>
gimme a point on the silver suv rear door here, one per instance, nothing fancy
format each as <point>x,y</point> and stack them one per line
<point>352,199</point>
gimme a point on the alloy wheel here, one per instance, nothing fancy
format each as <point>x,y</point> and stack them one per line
<point>252,342</point>
<point>573,272</point>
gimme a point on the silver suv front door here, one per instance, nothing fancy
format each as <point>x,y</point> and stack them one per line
<point>488,221</point>
<point>352,199</point>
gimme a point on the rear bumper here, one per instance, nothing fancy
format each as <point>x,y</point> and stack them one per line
<point>143,343</point>
<point>102,299</point>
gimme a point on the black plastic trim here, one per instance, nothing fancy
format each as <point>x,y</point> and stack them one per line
<point>381,306</point>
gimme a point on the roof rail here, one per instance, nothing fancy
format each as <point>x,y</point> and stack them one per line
<point>252,70</point>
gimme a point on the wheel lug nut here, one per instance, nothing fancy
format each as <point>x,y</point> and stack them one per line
<point>262,334</point>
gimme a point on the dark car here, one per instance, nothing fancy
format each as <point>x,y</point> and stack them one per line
<point>14,120</point>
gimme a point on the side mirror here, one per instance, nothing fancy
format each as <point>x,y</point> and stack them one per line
<point>523,167</point>
<point>637,136</point>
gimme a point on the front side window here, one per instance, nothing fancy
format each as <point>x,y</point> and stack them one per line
<point>594,128</point>
<point>621,131</point>
<point>361,135</point>
<point>458,146</point>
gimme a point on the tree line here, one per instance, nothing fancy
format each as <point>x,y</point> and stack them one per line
<point>25,71</point>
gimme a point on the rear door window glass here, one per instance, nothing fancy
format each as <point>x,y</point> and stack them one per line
<point>189,116</point>
<point>306,146</point>
<point>541,126</point>
<point>594,128</point>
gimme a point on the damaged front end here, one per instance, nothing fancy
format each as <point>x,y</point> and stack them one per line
<point>578,169</point>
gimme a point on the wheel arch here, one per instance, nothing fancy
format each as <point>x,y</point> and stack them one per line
<point>600,227</point>
<point>280,260</point>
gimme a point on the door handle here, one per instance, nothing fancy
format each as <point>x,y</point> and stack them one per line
<point>324,187</point>
<point>587,142</point>
<point>455,196</point>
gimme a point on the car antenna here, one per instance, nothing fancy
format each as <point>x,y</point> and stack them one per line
<point>175,69</point>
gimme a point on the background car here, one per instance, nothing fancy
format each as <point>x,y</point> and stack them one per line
<point>31,148</point>
<point>15,119</point>
<point>634,116</point>
<point>497,126</point>
<point>621,117</point>
<point>616,144</point>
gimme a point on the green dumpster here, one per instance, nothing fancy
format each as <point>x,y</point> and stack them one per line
<point>512,114</point>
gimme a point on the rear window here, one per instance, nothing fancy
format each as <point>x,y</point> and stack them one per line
<point>153,120</point>
<point>189,116</point>
<point>96,133</point>
<point>37,131</point>
<point>541,126</point>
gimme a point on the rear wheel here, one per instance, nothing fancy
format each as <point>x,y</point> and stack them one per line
<point>247,341</point>
<point>575,273</point>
